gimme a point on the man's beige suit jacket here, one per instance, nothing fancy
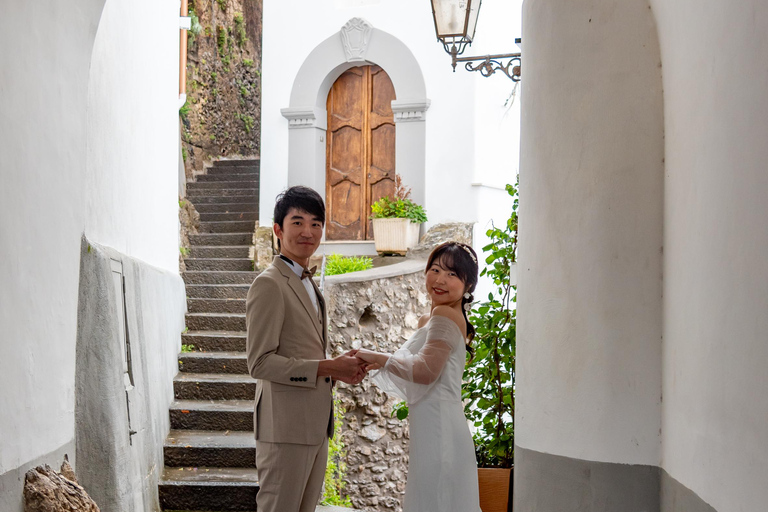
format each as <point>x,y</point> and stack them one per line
<point>285,342</point>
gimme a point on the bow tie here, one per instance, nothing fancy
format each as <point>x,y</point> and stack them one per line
<point>308,272</point>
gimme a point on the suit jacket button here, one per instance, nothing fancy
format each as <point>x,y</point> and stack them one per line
<point>304,379</point>
<point>293,379</point>
<point>327,379</point>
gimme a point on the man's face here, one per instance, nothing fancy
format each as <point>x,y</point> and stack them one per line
<point>300,235</point>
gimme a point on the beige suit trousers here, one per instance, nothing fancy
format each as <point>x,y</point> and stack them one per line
<point>290,476</point>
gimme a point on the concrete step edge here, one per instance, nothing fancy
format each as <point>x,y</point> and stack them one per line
<point>232,378</point>
<point>209,439</point>
<point>212,355</point>
<point>209,476</point>
<point>229,405</point>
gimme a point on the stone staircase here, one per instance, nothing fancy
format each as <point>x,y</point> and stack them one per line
<point>209,453</point>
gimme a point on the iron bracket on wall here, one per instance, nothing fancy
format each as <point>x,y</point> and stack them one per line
<point>489,64</point>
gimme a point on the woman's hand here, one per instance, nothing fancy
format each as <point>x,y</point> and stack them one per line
<point>375,360</point>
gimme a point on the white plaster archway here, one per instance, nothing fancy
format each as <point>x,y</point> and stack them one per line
<point>357,43</point>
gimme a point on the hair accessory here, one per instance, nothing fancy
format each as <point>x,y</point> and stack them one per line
<point>467,306</point>
<point>467,296</point>
<point>469,251</point>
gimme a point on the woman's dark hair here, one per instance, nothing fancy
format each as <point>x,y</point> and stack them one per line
<point>460,258</point>
<point>301,198</point>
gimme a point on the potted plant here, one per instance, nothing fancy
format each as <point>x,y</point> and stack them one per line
<point>396,222</point>
<point>489,379</point>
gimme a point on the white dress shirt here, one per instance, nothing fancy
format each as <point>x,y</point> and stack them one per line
<point>298,270</point>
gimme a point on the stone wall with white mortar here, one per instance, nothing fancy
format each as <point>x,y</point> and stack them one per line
<point>379,310</point>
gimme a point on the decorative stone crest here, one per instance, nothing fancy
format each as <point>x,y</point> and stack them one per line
<point>355,36</point>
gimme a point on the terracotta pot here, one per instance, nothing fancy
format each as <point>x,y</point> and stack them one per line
<point>395,235</point>
<point>495,489</point>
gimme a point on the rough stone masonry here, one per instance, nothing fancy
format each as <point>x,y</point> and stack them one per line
<point>381,315</point>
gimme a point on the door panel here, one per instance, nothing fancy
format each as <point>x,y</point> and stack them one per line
<point>360,150</point>
<point>381,158</point>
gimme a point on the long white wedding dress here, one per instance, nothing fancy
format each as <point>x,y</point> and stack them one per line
<point>426,372</point>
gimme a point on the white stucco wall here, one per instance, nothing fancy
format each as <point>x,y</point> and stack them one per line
<point>589,271</point>
<point>131,185</point>
<point>715,410</point>
<point>90,144</point>
<point>454,126</point>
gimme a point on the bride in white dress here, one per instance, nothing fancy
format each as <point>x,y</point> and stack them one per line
<point>426,372</point>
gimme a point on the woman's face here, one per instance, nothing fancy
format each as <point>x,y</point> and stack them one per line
<point>443,285</point>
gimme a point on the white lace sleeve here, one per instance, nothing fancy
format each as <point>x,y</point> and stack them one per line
<point>410,375</point>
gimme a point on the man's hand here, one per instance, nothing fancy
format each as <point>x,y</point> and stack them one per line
<point>346,368</point>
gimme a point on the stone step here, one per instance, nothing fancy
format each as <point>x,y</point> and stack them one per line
<point>223,264</point>
<point>221,251</point>
<point>214,386</point>
<point>227,226</point>
<point>235,163</point>
<point>209,488</point>
<point>228,176</point>
<point>213,362</point>
<point>216,305</point>
<point>208,217</point>
<point>228,239</point>
<point>252,170</point>
<point>226,207</point>
<point>215,341</point>
<point>217,291</point>
<point>232,184</point>
<point>234,415</point>
<point>220,449</point>
<point>215,321</point>
<point>218,277</point>
<point>228,195</point>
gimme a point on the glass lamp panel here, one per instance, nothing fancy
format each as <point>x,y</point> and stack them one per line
<point>474,10</point>
<point>450,17</point>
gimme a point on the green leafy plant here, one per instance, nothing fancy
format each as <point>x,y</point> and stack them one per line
<point>247,120</point>
<point>337,264</point>
<point>399,207</point>
<point>240,29</point>
<point>221,40</point>
<point>400,410</point>
<point>248,63</point>
<point>222,4</point>
<point>489,379</point>
<point>187,348</point>
<point>333,489</point>
<point>184,251</point>
<point>184,110</point>
<point>195,29</point>
<point>386,208</point>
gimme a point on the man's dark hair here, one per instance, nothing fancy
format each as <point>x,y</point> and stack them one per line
<point>301,198</point>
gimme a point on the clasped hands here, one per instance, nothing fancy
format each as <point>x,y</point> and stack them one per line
<point>350,367</point>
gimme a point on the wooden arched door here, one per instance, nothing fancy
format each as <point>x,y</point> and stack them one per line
<point>360,151</point>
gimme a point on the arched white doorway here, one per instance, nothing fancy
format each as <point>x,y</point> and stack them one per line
<point>357,43</point>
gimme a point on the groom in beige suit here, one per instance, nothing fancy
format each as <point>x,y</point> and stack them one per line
<point>286,345</point>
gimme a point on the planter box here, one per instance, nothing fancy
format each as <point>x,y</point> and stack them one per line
<point>495,489</point>
<point>395,235</point>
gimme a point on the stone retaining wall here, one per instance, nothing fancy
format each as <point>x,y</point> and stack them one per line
<point>377,309</point>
